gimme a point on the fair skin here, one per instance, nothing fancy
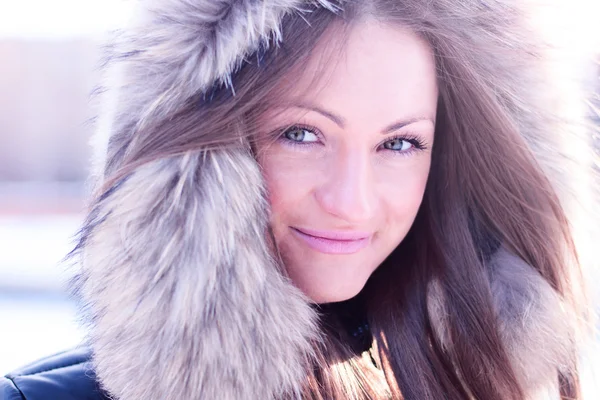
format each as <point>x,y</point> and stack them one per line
<point>348,171</point>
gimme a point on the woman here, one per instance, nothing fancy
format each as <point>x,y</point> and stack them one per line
<point>333,200</point>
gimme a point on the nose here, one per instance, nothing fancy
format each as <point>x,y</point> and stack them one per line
<point>348,190</point>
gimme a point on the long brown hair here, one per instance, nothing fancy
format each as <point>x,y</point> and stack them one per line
<point>485,190</point>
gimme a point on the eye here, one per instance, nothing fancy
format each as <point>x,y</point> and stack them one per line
<point>405,144</point>
<point>300,135</point>
<point>398,144</point>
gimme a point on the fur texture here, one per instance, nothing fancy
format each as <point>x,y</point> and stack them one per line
<point>202,309</point>
<point>534,324</point>
<point>183,298</point>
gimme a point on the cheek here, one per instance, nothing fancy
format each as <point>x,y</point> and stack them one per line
<point>401,188</point>
<point>289,181</point>
<point>401,195</point>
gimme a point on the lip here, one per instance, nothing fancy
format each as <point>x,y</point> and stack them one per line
<point>333,242</point>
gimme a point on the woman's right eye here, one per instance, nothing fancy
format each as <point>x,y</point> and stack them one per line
<point>300,135</point>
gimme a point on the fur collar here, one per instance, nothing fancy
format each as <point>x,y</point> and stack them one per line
<point>183,298</point>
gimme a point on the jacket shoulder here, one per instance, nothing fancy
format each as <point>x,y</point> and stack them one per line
<point>66,376</point>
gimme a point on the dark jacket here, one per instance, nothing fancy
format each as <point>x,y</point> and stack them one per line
<point>63,376</point>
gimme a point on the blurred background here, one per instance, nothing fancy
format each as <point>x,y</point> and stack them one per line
<point>48,59</point>
<point>49,53</point>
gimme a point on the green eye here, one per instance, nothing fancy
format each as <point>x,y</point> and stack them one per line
<point>397,145</point>
<point>302,135</point>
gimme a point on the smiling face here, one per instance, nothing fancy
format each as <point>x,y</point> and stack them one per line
<point>347,172</point>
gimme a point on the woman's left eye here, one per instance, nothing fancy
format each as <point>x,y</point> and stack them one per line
<point>398,144</point>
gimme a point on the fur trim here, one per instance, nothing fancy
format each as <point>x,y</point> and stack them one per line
<point>195,314</point>
<point>173,50</point>
<point>182,295</point>
<point>535,325</point>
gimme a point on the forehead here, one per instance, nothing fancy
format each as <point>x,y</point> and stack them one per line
<point>372,68</point>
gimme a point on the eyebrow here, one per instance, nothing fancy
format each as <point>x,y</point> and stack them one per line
<point>341,121</point>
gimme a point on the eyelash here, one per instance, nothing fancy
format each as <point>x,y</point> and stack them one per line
<point>418,144</point>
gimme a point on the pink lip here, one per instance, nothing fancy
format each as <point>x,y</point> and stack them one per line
<point>334,242</point>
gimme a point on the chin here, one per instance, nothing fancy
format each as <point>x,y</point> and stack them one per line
<point>332,293</point>
<point>330,279</point>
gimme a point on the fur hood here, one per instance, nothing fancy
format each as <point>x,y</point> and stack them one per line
<point>184,300</point>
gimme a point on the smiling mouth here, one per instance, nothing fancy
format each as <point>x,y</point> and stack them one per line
<point>333,242</point>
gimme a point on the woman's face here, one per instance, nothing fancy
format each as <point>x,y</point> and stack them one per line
<point>345,181</point>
